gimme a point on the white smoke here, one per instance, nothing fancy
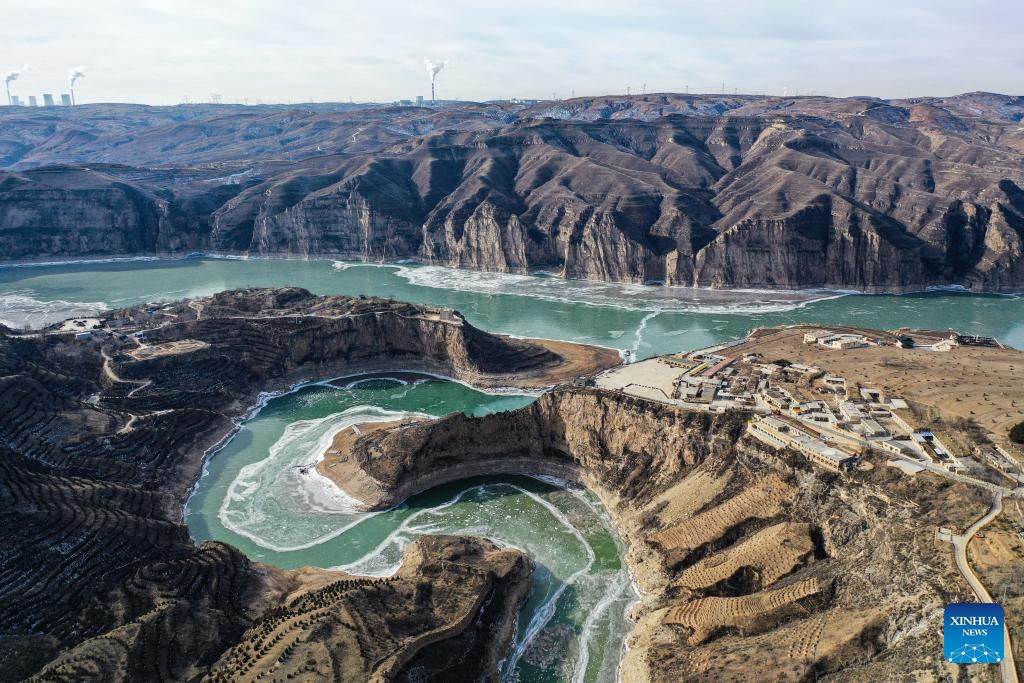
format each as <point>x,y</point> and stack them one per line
<point>74,74</point>
<point>13,75</point>
<point>433,68</point>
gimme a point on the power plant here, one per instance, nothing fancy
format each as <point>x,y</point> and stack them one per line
<point>433,68</point>
<point>48,100</point>
<point>66,99</point>
<point>8,77</point>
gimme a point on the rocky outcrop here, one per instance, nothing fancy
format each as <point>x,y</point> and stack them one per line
<point>67,212</point>
<point>583,435</point>
<point>448,614</point>
<point>698,191</point>
<point>752,562</point>
<point>100,447</point>
<point>82,213</point>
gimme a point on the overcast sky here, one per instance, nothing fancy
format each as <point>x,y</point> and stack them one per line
<point>160,52</point>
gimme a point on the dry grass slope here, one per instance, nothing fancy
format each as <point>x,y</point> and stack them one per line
<point>787,652</point>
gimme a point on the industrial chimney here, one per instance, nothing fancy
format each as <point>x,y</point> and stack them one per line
<point>433,68</point>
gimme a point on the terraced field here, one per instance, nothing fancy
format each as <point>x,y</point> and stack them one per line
<point>829,637</point>
<point>99,449</point>
<point>146,351</point>
<point>692,493</point>
<point>704,615</point>
<point>361,629</point>
<point>771,553</point>
<point>762,500</point>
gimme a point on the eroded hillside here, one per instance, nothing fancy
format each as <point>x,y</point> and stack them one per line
<point>692,190</point>
<point>102,437</point>
<point>750,561</point>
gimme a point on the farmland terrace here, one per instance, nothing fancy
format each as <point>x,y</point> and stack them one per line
<point>750,558</point>
<point>100,445</point>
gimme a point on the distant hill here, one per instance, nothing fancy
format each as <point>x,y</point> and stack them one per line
<point>727,191</point>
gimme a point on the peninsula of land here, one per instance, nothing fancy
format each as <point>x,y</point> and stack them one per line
<point>800,503</point>
<point>804,501</point>
<point>105,426</point>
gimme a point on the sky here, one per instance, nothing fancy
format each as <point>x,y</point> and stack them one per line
<point>169,51</point>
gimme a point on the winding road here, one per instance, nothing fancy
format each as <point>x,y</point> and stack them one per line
<point>1007,668</point>
<point>108,370</point>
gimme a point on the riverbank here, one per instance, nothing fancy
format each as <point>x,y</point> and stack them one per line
<point>550,525</point>
<point>126,500</point>
<point>357,259</point>
<point>748,559</point>
<point>579,361</point>
<point>644,320</point>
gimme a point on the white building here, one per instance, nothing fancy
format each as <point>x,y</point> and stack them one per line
<point>872,395</point>
<point>841,342</point>
<point>872,429</point>
<point>851,411</point>
<point>906,466</point>
<point>776,433</point>
<point>835,382</point>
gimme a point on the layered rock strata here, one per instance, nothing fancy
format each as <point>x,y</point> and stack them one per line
<point>700,191</point>
<point>752,563</point>
<point>101,441</point>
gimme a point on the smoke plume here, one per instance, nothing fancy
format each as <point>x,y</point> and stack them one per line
<point>75,74</point>
<point>433,68</point>
<point>13,75</point>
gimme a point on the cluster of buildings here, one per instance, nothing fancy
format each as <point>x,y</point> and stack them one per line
<point>833,430</point>
<point>927,342</point>
<point>421,101</point>
<point>700,381</point>
<point>997,457</point>
<point>781,434</point>
<point>48,101</point>
<point>831,420</point>
<point>418,102</point>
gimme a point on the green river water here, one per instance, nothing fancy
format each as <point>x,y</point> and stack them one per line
<point>253,496</point>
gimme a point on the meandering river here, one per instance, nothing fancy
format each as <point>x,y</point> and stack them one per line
<point>257,495</point>
<point>254,493</point>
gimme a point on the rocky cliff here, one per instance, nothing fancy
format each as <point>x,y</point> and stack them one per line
<point>692,190</point>
<point>753,564</point>
<point>101,441</point>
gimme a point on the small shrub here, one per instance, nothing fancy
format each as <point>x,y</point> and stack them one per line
<point>1017,433</point>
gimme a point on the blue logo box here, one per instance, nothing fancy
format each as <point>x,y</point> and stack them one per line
<point>973,633</point>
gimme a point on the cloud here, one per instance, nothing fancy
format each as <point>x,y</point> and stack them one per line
<point>154,51</point>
